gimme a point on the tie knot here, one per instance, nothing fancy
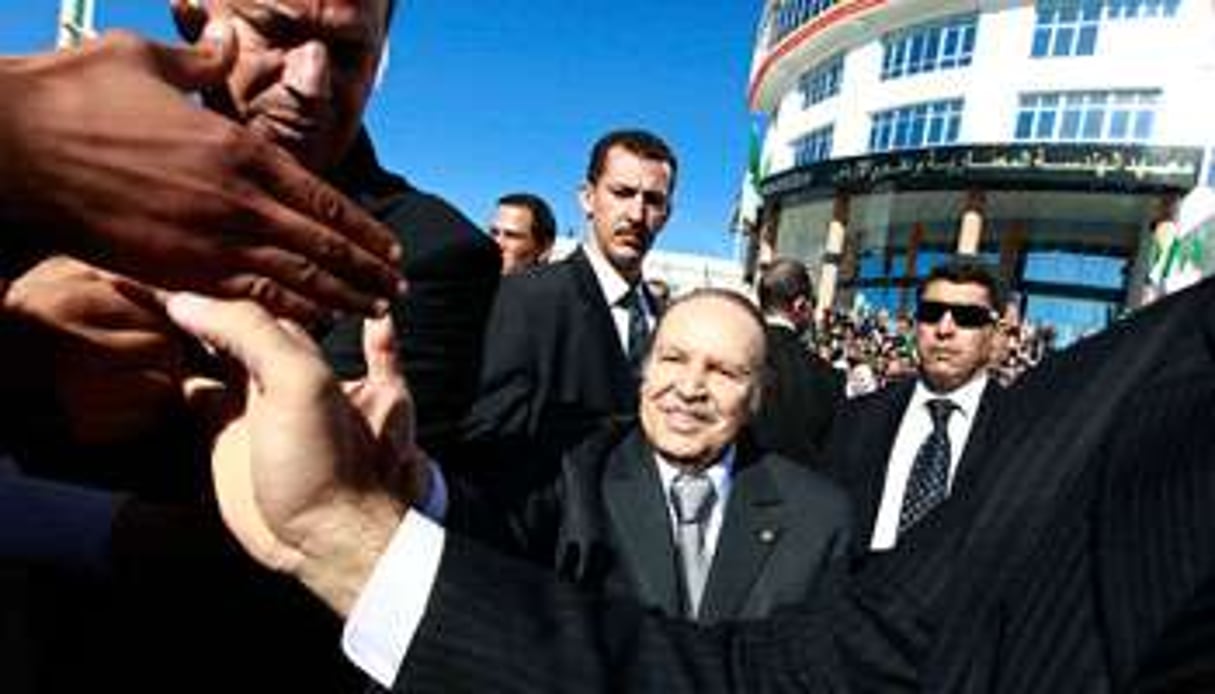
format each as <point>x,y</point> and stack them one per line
<point>940,409</point>
<point>631,299</point>
<point>692,496</point>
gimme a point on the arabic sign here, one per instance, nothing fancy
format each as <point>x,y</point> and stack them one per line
<point>1130,168</point>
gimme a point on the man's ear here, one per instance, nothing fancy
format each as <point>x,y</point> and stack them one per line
<point>189,16</point>
<point>584,198</point>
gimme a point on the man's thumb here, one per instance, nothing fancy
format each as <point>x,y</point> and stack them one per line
<point>203,64</point>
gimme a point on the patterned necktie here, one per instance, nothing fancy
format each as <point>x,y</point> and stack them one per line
<point>692,497</point>
<point>639,329</point>
<point>928,484</point>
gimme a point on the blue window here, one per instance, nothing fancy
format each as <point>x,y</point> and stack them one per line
<point>916,125</point>
<point>813,147</point>
<point>1110,116</point>
<point>822,81</point>
<point>942,45</point>
<point>1134,9</point>
<point>1066,28</point>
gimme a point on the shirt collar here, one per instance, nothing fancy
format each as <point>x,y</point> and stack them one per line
<point>965,396</point>
<point>780,321</point>
<point>719,472</point>
<point>613,286</point>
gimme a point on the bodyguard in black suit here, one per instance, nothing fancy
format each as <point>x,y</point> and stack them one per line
<point>882,447</point>
<point>564,342</point>
<point>802,391</point>
<point>609,520</point>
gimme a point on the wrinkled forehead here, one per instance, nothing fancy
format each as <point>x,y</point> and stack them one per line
<point>713,325</point>
<point>364,20</point>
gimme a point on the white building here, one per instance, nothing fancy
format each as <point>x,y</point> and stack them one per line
<point>1054,139</point>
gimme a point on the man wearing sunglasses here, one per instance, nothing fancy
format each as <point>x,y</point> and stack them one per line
<point>900,451</point>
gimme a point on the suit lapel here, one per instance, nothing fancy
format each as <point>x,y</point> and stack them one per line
<point>598,321</point>
<point>978,444</point>
<point>885,428</point>
<point>641,524</point>
<point>751,529</point>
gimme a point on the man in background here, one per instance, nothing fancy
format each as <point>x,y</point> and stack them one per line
<point>524,229</point>
<point>564,343</point>
<point>902,450</point>
<point>803,391</point>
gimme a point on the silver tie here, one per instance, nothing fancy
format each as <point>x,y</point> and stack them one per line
<point>692,497</point>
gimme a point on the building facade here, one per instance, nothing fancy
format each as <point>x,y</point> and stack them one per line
<point>1055,140</point>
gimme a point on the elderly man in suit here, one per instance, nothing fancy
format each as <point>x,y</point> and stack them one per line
<point>682,513</point>
<point>901,450</point>
<point>564,344</point>
<point>803,391</point>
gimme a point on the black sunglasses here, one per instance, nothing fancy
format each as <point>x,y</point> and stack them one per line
<point>964,315</point>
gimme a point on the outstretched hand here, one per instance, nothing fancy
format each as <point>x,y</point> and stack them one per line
<point>102,156</point>
<point>310,479</point>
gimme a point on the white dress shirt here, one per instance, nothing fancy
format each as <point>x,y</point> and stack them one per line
<point>915,426</point>
<point>614,289</point>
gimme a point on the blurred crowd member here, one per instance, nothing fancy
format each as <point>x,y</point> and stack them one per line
<point>143,184</point>
<point>564,343</point>
<point>801,392</point>
<point>104,156</point>
<point>299,81</point>
<point>303,82</point>
<point>680,511</point>
<point>901,450</point>
<point>524,229</point>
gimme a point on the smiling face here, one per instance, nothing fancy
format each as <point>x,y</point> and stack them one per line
<point>627,206</point>
<point>303,72</point>
<point>701,382</point>
<point>951,355</point>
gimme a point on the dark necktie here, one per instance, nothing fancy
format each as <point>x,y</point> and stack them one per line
<point>692,497</point>
<point>928,484</point>
<point>638,328</point>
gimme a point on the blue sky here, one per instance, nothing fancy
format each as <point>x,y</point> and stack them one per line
<point>483,97</point>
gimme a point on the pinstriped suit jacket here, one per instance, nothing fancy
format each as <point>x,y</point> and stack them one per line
<point>1083,563</point>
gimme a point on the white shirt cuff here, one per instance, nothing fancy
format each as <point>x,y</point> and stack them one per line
<point>388,611</point>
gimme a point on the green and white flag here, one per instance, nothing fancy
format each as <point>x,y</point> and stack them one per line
<point>751,201</point>
<point>1178,255</point>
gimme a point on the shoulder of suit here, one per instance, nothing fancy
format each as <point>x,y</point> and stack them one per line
<point>427,224</point>
<point>818,497</point>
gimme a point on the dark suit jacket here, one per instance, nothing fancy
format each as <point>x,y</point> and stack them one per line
<point>552,360</point>
<point>604,523</point>
<point>801,395</point>
<point>859,447</point>
<point>452,269</point>
<point>1082,563</point>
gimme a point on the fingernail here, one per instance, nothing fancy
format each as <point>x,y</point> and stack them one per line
<point>402,287</point>
<point>380,308</point>
<point>395,252</point>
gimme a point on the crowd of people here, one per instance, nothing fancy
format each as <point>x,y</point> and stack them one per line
<point>875,349</point>
<point>266,397</point>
